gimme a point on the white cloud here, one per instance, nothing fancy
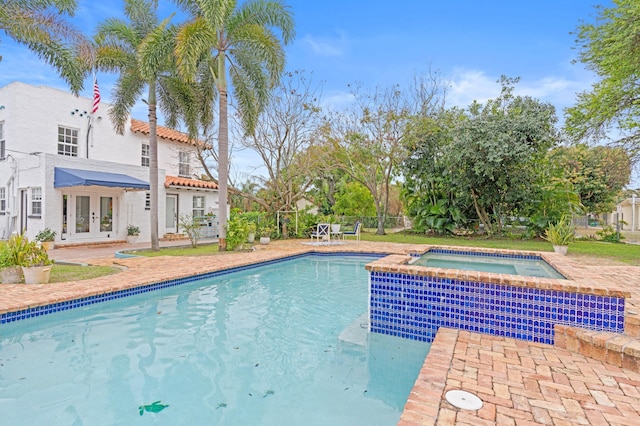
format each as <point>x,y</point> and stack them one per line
<point>326,46</point>
<point>469,85</point>
<point>337,100</point>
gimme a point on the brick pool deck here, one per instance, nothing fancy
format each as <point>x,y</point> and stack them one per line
<point>585,378</point>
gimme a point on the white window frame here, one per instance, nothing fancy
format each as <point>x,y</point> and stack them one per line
<point>3,199</point>
<point>36,201</point>
<point>198,206</point>
<point>147,201</point>
<point>68,141</point>
<point>144,155</point>
<point>184,164</point>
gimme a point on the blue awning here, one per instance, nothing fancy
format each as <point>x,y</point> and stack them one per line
<point>64,178</point>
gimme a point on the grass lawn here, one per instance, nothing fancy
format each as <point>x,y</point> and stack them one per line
<point>62,273</point>
<point>201,250</point>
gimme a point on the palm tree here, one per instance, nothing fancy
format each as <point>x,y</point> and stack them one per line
<point>239,41</point>
<point>141,50</point>
<point>41,26</point>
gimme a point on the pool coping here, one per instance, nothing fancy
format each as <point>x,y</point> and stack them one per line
<point>402,264</point>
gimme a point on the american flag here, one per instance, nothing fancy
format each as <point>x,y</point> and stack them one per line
<point>96,96</point>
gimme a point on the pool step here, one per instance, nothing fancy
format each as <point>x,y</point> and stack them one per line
<point>620,350</point>
<point>355,333</point>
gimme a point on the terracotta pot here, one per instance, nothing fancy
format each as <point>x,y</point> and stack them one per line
<point>48,245</point>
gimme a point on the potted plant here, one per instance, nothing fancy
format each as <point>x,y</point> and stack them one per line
<point>251,227</point>
<point>265,235</point>
<point>132,233</point>
<point>560,234</point>
<point>36,265</point>
<point>46,238</point>
<point>9,273</point>
<point>13,254</point>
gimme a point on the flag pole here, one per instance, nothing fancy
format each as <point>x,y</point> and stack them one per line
<point>94,108</point>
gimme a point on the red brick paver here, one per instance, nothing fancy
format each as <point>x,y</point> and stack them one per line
<point>542,384</point>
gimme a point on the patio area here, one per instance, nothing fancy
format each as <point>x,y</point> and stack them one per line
<point>585,378</point>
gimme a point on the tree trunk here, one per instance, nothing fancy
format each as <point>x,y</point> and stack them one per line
<point>153,167</point>
<point>482,214</point>
<point>223,167</point>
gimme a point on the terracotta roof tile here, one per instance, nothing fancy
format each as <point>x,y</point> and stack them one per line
<point>138,126</point>
<point>189,183</point>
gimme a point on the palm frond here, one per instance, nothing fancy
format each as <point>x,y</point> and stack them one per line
<point>193,41</point>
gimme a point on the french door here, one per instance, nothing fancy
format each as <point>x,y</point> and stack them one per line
<point>90,215</point>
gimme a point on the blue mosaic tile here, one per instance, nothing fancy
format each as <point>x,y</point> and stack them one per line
<point>420,305</point>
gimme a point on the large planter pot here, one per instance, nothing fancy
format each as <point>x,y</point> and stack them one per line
<point>561,249</point>
<point>252,237</point>
<point>48,245</point>
<point>132,239</point>
<point>335,228</point>
<point>36,274</point>
<point>265,240</point>
<point>11,275</point>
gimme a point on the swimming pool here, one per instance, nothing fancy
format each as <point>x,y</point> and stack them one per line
<point>259,346</point>
<point>530,266</point>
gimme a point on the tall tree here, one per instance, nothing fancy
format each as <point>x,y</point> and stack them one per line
<point>41,25</point>
<point>282,135</point>
<point>597,174</point>
<point>238,42</point>
<point>611,48</point>
<point>495,149</point>
<point>366,141</point>
<point>432,200</point>
<point>141,50</point>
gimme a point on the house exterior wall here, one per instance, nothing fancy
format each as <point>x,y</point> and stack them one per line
<point>30,118</point>
<point>629,214</point>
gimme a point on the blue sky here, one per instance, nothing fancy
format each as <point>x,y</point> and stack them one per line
<point>470,42</point>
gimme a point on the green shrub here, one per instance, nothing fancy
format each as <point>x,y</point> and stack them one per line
<point>191,227</point>
<point>560,233</point>
<point>19,251</point>
<point>609,234</point>
<point>237,229</point>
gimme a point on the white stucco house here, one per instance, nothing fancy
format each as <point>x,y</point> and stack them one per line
<point>63,168</point>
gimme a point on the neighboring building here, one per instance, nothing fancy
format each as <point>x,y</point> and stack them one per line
<point>627,211</point>
<point>66,169</point>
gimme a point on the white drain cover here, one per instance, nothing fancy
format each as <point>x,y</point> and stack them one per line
<point>463,399</point>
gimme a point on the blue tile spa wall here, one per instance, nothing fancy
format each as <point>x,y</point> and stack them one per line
<point>414,307</point>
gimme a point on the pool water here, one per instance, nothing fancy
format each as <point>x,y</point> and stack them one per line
<point>531,267</point>
<point>263,346</point>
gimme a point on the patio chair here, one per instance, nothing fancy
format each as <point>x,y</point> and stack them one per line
<point>321,233</point>
<point>354,233</point>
